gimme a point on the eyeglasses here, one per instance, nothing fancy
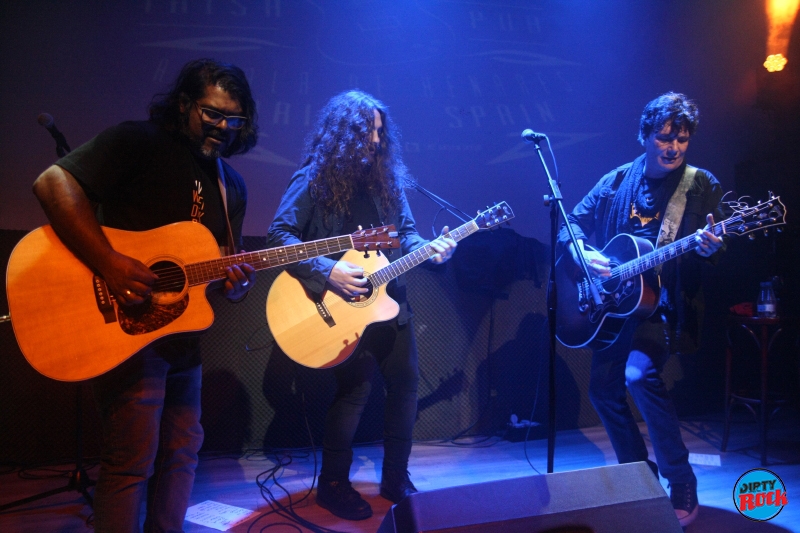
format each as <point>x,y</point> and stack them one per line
<point>212,118</point>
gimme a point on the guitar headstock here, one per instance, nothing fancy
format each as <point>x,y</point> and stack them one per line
<point>494,216</point>
<point>381,238</point>
<point>746,219</point>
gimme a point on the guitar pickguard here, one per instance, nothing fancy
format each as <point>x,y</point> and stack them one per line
<point>149,316</point>
<point>168,301</point>
<point>612,301</point>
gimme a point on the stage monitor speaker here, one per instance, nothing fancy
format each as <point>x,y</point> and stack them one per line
<point>608,499</point>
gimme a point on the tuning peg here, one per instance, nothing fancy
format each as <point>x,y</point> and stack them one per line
<point>360,228</point>
<point>751,237</point>
<point>766,232</point>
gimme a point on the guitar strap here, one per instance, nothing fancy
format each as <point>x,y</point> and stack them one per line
<point>231,248</point>
<point>674,214</point>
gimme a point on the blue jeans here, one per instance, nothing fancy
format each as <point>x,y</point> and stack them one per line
<point>392,348</point>
<point>634,362</point>
<point>150,413</point>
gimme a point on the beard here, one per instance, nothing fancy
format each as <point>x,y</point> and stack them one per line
<point>212,151</point>
<point>209,152</point>
<point>198,144</point>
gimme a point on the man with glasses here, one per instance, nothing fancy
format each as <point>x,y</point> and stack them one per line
<point>657,196</point>
<point>139,176</point>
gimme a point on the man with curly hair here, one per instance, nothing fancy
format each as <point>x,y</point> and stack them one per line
<point>352,175</point>
<point>139,176</point>
<point>645,198</point>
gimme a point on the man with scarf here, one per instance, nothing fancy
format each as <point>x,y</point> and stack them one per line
<point>645,198</point>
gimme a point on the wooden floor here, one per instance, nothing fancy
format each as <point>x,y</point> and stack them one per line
<point>233,480</point>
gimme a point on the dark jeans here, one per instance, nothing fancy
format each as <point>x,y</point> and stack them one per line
<point>634,362</point>
<point>150,413</point>
<point>392,348</point>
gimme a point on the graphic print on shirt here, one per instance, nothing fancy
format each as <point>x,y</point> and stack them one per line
<point>198,203</point>
<point>643,220</point>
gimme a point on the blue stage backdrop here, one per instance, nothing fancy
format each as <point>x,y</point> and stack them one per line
<point>462,80</point>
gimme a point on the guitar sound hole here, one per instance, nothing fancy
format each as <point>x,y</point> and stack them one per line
<point>366,298</point>
<point>611,285</point>
<point>171,282</point>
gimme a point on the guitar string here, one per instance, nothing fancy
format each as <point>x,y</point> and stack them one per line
<point>634,267</point>
<point>405,263</point>
<point>174,277</point>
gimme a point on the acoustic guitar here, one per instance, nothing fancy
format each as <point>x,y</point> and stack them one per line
<point>70,328</point>
<point>633,289</point>
<point>322,331</point>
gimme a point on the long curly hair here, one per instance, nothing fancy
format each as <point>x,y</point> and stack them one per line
<point>338,152</point>
<point>190,86</point>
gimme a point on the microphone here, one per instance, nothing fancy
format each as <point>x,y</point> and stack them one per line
<point>47,120</point>
<point>533,137</point>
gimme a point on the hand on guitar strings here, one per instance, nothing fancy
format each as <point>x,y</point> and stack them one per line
<point>597,263</point>
<point>128,279</point>
<point>347,280</point>
<point>444,246</point>
<point>707,242</point>
<point>241,279</point>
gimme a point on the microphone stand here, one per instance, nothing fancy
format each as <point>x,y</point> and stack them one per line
<point>556,203</point>
<point>79,480</point>
<point>441,202</point>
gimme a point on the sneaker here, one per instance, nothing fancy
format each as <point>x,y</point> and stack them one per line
<point>341,499</point>
<point>684,501</point>
<point>395,485</point>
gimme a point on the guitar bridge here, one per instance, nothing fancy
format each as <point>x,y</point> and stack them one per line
<point>322,309</point>
<point>103,299</point>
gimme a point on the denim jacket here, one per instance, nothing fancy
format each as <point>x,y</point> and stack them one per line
<point>299,219</point>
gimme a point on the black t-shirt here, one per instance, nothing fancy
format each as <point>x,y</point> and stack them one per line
<point>647,209</point>
<point>145,177</point>
<point>362,213</point>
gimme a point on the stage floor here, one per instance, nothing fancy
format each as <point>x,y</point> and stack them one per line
<point>233,480</point>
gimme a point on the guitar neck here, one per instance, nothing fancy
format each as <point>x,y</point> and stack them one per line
<point>214,269</point>
<point>423,253</point>
<point>662,255</point>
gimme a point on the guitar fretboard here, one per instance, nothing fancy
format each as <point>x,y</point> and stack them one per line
<point>208,271</point>
<point>665,253</point>
<point>423,253</point>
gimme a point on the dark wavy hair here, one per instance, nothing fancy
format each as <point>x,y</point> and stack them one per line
<point>669,107</point>
<point>190,86</point>
<point>338,152</point>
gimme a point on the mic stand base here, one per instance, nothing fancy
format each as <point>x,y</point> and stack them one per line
<point>79,480</point>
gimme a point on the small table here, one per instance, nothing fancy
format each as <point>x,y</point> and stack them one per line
<point>763,332</point>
